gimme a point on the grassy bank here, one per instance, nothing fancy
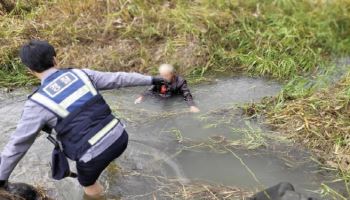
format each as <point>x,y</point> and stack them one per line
<point>291,41</point>
<point>281,39</point>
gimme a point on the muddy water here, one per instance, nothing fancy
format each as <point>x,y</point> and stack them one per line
<point>168,143</point>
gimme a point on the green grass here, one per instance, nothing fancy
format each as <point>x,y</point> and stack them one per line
<point>282,39</point>
<point>15,74</point>
<point>294,42</point>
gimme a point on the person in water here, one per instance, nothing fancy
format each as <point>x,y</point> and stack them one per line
<point>174,85</point>
<point>68,105</point>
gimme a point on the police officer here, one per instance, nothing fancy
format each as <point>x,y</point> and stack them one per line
<point>69,106</point>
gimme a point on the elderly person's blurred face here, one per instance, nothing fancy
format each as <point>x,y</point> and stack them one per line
<point>166,71</point>
<point>167,76</point>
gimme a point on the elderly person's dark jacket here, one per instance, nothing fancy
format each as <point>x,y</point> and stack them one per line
<point>178,86</point>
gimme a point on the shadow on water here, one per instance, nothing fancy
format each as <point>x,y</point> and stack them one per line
<point>172,152</point>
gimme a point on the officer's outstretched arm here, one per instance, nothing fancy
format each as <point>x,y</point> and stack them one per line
<point>20,141</point>
<point>111,80</point>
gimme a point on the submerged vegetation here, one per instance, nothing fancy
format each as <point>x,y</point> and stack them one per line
<point>178,189</point>
<point>295,42</point>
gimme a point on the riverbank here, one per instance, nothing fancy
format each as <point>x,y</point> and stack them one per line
<point>280,39</point>
<point>319,120</point>
<point>294,42</point>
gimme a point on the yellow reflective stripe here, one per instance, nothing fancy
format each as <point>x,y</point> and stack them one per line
<point>103,131</point>
<point>86,80</point>
<point>74,96</point>
<point>50,104</point>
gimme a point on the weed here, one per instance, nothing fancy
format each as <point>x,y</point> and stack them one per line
<point>283,39</point>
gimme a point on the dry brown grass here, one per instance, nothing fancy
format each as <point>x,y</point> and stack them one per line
<point>321,121</point>
<point>199,37</point>
<point>4,195</point>
<point>102,35</point>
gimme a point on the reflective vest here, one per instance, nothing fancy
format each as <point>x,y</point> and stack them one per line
<point>83,115</point>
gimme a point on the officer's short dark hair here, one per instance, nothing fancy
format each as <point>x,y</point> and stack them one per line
<point>38,55</point>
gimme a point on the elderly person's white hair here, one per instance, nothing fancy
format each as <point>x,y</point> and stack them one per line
<point>166,68</point>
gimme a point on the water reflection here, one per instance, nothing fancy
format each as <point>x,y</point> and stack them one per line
<point>172,151</point>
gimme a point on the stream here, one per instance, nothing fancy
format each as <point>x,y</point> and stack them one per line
<point>172,151</point>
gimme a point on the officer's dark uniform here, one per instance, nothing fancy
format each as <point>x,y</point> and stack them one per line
<point>68,102</point>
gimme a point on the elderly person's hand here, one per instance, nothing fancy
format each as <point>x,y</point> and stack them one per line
<point>138,100</point>
<point>194,109</point>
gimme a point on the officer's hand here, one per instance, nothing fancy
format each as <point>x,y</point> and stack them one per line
<point>157,81</point>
